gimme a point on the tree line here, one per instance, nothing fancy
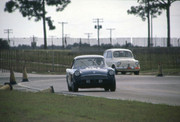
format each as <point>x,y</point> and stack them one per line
<point>151,9</point>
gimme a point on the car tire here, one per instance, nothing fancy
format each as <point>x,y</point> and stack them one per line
<point>123,73</point>
<point>106,89</point>
<point>74,87</point>
<point>69,87</point>
<point>136,73</point>
<point>113,87</point>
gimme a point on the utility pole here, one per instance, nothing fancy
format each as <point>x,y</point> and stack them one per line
<point>33,43</point>
<point>52,37</point>
<point>98,27</point>
<point>110,29</point>
<point>8,31</point>
<point>88,35</point>
<point>66,36</point>
<point>63,32</point>
<point>151,30</point>
<point>52,53</point>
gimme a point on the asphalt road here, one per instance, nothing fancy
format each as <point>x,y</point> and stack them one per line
<point>151,89</point>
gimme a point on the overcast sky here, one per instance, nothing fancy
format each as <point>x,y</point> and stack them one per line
<point>80,14</point>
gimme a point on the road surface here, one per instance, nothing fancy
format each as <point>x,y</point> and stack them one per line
<point>151,89</point>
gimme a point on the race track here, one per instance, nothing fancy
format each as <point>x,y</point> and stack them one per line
<point>151,89</point>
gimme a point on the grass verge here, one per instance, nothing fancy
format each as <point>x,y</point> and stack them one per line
<point>175,72</point>
<point>27,106</point>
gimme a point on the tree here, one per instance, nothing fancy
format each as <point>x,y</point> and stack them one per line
<point>154,8</point>
<point>4,44</point>
<point>33,43</point>
<point>36,9</point>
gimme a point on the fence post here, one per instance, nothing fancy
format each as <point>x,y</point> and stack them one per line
<point>160,70</point>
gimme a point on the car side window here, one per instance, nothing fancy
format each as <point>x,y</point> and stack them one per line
<point>128,54</point>
<point>109,54</point>
<point>105,54</point>
<point>72,64</point>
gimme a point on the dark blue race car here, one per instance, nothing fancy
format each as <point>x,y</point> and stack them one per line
<point>90,71</point>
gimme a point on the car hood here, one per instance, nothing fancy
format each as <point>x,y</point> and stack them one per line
<point>91,71</point>
<point>94,71</point>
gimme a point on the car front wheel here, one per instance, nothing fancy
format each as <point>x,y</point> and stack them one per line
<point>136,73</point>
<point>68,82</point>
<point>123,73</point>
<point>74,87</point>
<point>106,89</point>
<point>113,87</point>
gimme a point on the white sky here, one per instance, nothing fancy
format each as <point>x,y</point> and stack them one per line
<point>80,14</point>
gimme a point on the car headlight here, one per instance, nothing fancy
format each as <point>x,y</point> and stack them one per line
<point>77,73</point>
<point>111,72</point>
<point>137,63</point>
<point>118,64</point>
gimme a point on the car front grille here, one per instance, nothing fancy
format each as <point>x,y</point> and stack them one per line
<point>93,77</point>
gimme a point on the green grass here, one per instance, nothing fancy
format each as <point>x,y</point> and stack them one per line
<point>164,72</point>
<point>27,106</point>
<point>41,60</point>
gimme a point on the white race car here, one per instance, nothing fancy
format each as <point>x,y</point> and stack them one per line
<point>122,60</point>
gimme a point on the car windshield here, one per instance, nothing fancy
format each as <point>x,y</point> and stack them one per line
<point>84,63</point>
<point>119,54</point>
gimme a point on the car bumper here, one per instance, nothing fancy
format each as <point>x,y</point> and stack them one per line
<point>94,82</point>
<point>128,69</point>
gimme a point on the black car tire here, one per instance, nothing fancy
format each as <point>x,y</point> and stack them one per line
<point>69,87</point>
<point>106,89</point>
<point>123,73</point>
<point>136,73</point>
<point>74,87</point>
<point>113,87</point>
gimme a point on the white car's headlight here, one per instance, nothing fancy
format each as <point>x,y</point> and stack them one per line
<point>137,63</point>
<point>77,73</point>
<point>118,64</point>
<point>111,72</point>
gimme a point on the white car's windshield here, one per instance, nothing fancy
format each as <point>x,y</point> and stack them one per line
<point>88,63</point>
<point>118,54</point>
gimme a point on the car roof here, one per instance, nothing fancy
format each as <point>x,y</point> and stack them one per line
<point>88,56</point>
<point>118,49</point>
